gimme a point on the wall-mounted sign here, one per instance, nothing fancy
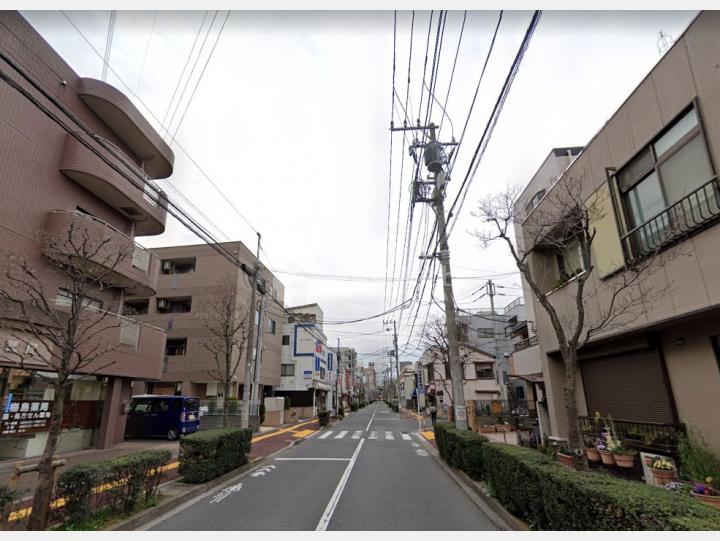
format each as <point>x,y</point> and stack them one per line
<point>25,417</point>
<point>307,374</point>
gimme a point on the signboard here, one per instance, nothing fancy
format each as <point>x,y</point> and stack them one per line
<point>496,407</point>
<point>460,413</point>
<point>8,402</point>
<point>25,417</point>
<point>317,364</point>
<point>307,374</point>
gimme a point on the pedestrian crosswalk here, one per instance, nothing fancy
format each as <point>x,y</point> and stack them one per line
<point>387,435</point>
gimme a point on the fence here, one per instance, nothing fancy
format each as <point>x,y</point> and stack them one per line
<point>657,437</point>
<point>500,408</point>
<point>215,407</point>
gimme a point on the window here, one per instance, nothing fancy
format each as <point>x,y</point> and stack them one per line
<point>534,201</point>
<point>142,406</point>
<point>135,307</point>
<point>665,187</point>
<point>286,340</point>
<point>183,265</point>
<point>174,305</point>
<point>271,326</point>
<point>65,296</point>
<point>485,333</point>
<point>570,259</point>
<point>175,346</point>
<point>287,369</point>
<point>484,371</point>
<point>520,393</point>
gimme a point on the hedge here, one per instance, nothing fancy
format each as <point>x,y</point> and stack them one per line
<point>125,478</point>
<point>324,418</point>
<point>208,454</point>
<point>548,496</point>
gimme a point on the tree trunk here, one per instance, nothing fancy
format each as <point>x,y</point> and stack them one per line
<point>46,475</point>
<point>574,440</point>
<point>226,403</point>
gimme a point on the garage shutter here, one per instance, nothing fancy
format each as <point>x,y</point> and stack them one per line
<point>628,386</point>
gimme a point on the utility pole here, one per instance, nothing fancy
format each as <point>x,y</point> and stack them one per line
<point>397,362</point>
<point>247,381</point>
<point>255,391</point>
<point>433,192</point>
<point>337,378</point>
<point>501,368</point>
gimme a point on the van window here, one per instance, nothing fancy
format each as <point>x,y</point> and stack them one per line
<point>162,406</point>
<point>192,404</point>
<point>142,406</point>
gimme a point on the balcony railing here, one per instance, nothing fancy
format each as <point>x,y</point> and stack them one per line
<point>527,343</point>
<point>500,408</point>
<point>658,437</point>
<point>692,212</point>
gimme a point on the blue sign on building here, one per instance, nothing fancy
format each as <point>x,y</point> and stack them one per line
<point>317,364</point>
<point>8,403</point>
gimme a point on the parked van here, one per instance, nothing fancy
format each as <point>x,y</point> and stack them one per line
<point>162,415</point>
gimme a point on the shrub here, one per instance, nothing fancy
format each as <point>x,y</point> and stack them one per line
<point>324,418</point>
<point>549,497</point>
<point>354,406</point>
<point>697,459</point>
<point>75,485</point>
<point>262,413</point>
<point>287,404</point>
<point>7,496</point>
<point>341,412</point>
<point>208,454</point>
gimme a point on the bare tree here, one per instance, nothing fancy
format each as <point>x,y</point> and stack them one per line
<point>227,323</point>
<point>560,231</point>
<point>70,333</point>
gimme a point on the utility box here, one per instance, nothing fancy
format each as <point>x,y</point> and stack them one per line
<point>274,411</point>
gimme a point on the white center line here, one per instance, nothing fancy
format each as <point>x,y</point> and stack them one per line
<point>339,459</point>
<point>373,435</point>
<point>332,504</point>
<point>371,420</point>
<point>327,434</point>
<point>341,435</point>
<point>389,435</point>
<point>356,435</point>
<point>406,436</point>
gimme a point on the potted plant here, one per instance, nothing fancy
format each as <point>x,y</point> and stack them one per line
<point>605,454</point>
<point>706,492</point>
<point>624,457</point>
<point>566,457</point>
<point>663,470</point>
<point>593,455</point>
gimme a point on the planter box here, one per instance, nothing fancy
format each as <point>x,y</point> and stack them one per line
<point>487,428</point>
<point>593,455</point>
<point>711,500</point>
<point>607,458</point>
<point>663,476</point>
<point>503,428</point>
<point>624,461</point>
<point>567,460</point>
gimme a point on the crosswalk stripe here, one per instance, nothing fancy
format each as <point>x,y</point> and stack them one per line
<point>406,436</point>
<point>341,435</point>
<point>327,434</point>
<point>389,435</point>
<point>356,435</point>
<point>373,435</point>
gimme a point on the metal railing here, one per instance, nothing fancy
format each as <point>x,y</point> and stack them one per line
<point>660,437</point>
<point>526,343</point>
<point>500,408</point>
<point>692,212</point>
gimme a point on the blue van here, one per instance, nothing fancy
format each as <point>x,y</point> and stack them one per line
<point>162,415</point>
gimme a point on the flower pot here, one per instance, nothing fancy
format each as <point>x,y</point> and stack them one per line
<point>593,454</point>
<point>607,457</point>
<point>502,427</point>
<point>707,498</point>
<point>663,476</point>
<point>566,460</point>
<point>624,461</point>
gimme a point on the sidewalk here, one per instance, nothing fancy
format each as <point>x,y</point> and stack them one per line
<point>268,441</point>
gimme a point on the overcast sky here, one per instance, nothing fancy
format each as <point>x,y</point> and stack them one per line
<point>291,121</point>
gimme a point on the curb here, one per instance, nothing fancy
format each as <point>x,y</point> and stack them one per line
<point>498,515</point>
<point>145,517</point>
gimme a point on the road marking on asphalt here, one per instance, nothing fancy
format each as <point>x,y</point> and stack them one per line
<point>421,452</point>
<point>415,444</point>
<point>319,458</point>
<point>332,504</point>
<point>341,435</point>
<point>389,435</point>
<point>429,435</point>
<point>224,493</point>
<point>356,435</point>
<point>327,434</point>
<point>262,471</point>
<point>406,436</point>
<point>371,420</point>
<point>373,435</point>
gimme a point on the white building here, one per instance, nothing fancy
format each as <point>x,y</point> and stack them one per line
<point>308,373</point>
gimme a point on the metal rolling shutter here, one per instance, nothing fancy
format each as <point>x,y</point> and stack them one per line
<point>628,386</point>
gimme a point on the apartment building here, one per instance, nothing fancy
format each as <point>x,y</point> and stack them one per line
<point>407,384</point>
<point>308,370</point>
<point>66,196</point>
<point>346,362</point>
<point>193,284</point>
<point>650,174</point>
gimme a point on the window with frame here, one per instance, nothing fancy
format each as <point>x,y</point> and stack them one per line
<point>666,187</point>
<point>287,369</point>
<point>65,298</point>
<point>484,371</point>
<point>570,259</point>
<point>271,325</point>
<point>286,340</point>
<point>175,346</point>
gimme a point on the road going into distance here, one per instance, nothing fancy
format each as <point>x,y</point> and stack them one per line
<point>371,471</point>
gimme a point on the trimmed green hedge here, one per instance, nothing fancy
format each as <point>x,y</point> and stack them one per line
<point>208,454</point>
<point>324,418</point>
<point>127,477</point>
<point>548,496</point>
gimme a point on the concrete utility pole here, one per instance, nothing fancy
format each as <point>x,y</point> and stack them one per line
<point>434,194</point>
<point>397,361</point>
<point>337,378</point>
<point>499,358</point>
<point>247,381</point>
<point>257,366</point>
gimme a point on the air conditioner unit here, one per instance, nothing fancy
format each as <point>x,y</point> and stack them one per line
<point>168,266</point>
<point>163,304</point>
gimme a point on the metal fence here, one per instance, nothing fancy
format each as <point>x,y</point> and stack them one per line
<point>658,437</point>
<point>501,408</point>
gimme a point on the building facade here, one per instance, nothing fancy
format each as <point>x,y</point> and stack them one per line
<point>77,187</point>
<point>651,175</point>
<point>193,284</point>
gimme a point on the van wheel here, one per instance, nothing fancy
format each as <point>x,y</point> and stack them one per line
<point>172,434</point>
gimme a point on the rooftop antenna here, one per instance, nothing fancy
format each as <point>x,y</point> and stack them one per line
<point>664,42</point>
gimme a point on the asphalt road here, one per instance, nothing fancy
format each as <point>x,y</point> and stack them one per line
<point>368,472</point>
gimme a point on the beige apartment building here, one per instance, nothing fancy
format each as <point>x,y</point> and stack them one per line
<point>650,176</point>
<point>193,280</point>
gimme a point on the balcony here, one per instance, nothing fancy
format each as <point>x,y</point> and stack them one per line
<point>692,213</point>
<point>123,118</point>
<point>81,165</point>
<point>527,343</point>
<point>123,262</point>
